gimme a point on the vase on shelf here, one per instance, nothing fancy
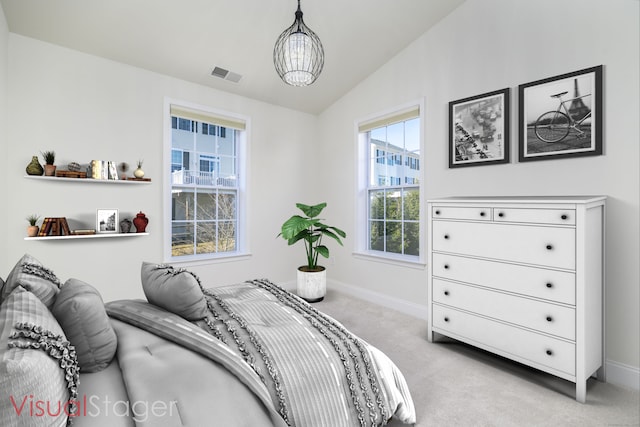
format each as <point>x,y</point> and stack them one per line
<point>138,173</point>
<point>140,222</point>
<point>34,168</point>
<point>125,225</point>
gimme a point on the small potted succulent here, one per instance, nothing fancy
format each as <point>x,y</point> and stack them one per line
<point>49,160</point>
<point>32,229</point>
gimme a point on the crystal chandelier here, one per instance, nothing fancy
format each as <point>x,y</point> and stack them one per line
<point>298,54</point>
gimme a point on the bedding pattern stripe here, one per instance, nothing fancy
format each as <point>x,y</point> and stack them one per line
<point>324,376</point>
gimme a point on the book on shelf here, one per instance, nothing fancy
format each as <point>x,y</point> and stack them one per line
<point>55,227</point>
<point>113,172</point>
<point>81,232</point>
<point>104,169</point>
<point>45,227</point>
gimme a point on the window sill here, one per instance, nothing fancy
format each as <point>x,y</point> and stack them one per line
<point>399,261</point>
<point>197,261</point>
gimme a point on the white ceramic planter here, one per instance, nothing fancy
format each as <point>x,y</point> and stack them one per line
<point>312,285</point>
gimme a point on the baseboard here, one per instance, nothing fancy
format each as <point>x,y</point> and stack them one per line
<point>623,375</point>
<point>404,306</point>
<point>617,373</point>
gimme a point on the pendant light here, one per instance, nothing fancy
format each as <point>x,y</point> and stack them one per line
<point>298,54</point>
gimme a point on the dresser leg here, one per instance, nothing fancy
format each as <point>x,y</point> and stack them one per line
<point>431,336</point>
<point>581,391</point>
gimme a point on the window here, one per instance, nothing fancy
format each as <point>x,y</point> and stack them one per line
<point>205,185</point>
<point>390,178</point>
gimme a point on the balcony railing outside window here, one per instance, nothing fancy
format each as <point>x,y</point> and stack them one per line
<point>191,177</point>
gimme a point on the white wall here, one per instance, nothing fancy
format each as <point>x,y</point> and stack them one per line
<point>4,60</point>
<point>84,108</point>
<point>486,45</point>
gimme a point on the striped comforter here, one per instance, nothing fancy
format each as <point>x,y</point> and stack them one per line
<point>314,371</point>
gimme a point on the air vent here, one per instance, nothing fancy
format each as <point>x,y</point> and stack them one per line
<point>226,74</point>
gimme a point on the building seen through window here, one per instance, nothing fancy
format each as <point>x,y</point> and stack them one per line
<point>393,188</point>
<point>204,188</point>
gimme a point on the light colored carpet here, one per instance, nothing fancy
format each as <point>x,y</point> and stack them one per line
<point>453,384</point>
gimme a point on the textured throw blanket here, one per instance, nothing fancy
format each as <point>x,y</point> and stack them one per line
<point>317,372</point>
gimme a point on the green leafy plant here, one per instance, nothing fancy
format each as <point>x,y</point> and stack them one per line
<point>140,164</point>
<point>311,230</point>
<point>49,157</point>
<point>33,219</point>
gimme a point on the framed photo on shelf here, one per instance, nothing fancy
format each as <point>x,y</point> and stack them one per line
<point>479,129</point>
<point>561,116</point>
<point>107,221</point>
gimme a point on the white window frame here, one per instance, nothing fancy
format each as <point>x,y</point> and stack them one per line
<point>242,147</point>
<point>362,226</point>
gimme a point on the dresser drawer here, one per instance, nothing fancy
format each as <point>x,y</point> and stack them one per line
<point>507,340</point>
<point>472,213</point>
<point>539,216</point>
<point>552,285</point>
<point>534,314</point>
<point>540,245</point>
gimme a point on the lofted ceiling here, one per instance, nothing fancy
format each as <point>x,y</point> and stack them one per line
<point>188,38</point>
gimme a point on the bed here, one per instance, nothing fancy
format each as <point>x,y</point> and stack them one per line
<point>247,354</point>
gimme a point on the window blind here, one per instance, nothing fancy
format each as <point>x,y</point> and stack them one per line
<point>206,117</point>
<point>396,117</point>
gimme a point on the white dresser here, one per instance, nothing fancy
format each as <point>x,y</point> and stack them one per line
<point>522,277</point>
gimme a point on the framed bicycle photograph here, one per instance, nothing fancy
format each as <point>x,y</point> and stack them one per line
<point>561,116</point>
<point>479,130</point>
<point>107,221</point>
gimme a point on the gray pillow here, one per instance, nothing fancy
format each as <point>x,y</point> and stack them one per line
<point>35,278</point>
<point>175,290</point>
<point>28,372</point>
<point>80,311</point>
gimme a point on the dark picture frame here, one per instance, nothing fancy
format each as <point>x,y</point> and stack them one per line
<point>561,116</point>
<point>479,129</point>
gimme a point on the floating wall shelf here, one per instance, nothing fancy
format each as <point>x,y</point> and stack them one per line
<point>89,180</point>
<point>87,236</point>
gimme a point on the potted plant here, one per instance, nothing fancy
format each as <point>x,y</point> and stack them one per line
<point>49,160</point>
<point>139,173</point>
<point>32,229</point>
<point>312,282</point>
